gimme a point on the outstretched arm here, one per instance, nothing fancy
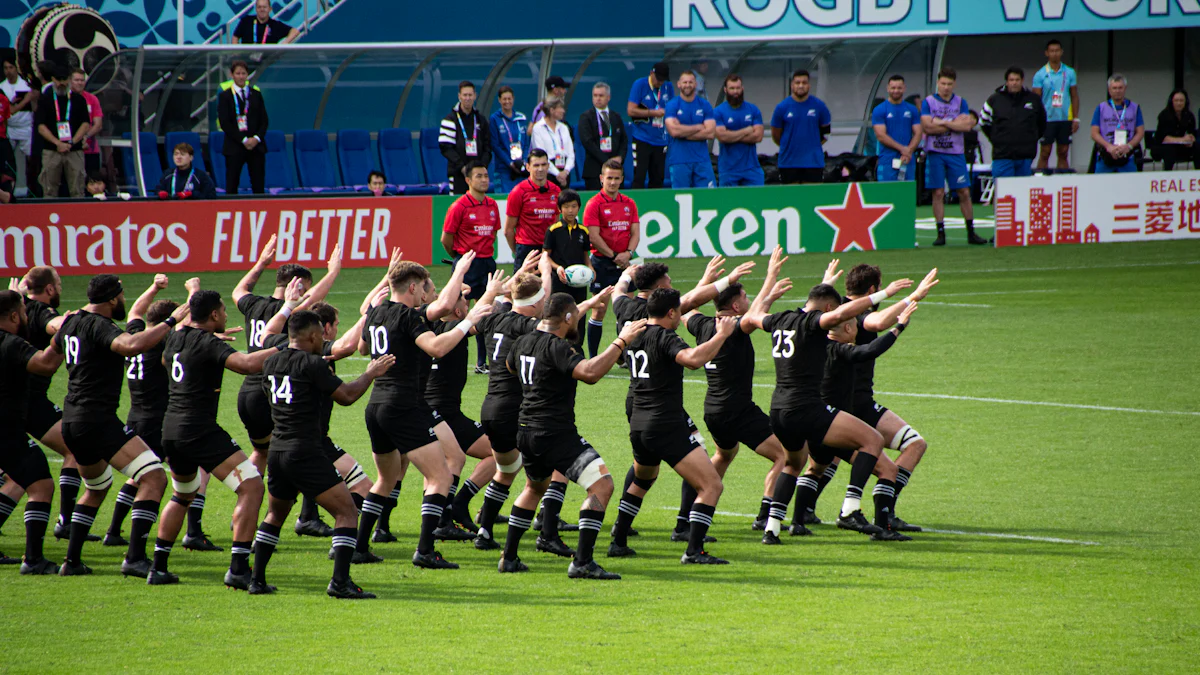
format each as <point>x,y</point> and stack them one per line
<point>707,292</point>
<point>591,371</point>
<point>293,296</point>
<point>438,346</point>
<point>696,357</point>
<point>142,304</point>
<point>761,306</point>
<point>884,319</point>
<point>350,392</point>
<point>246,285</point>
<point>452,291</point>
<point>127,344</point>
<point>856,307</point>
<point>321,289</point>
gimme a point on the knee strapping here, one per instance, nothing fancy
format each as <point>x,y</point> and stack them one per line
<point>904,438</point>
<point>355,475</point>
<point>186,487</point>
<point>101,482</point>
<point>241,473</point>
<point>142,465</point>
<point>644,483</point>
<point>591,473</point>
<point>511,468</point>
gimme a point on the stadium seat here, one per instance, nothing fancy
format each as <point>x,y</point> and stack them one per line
<point>577,170</point>
<point>280,169</point>
<point>431,157</point>
<point>192,138</point>
<point>313,163</point>
<point>216,140</point>
<point>628,183</point>
<point>354,156</point>
<point>152,168</point>
<point>400,163</point>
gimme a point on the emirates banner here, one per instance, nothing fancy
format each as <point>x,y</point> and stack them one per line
<point>1088,209</point>
<point>200,236</point>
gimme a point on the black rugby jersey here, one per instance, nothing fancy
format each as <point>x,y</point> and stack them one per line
<point>448,374</point>
<point>258,310</point>
<point>500,332</point>
<point>195,363</point>
<point>298,385</point>
<point>393,328</point>
<point>731,372</point>
<point>15,354</point>
<point>655,378</point>
<point>147,379</point>
<point>94,371</point>
<point>40,315</point>
<point>798,347</point>
<point>842,365</point>
<point>544,363</point>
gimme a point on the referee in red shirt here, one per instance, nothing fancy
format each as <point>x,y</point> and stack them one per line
<point>531,209</point>
<point>471,225</point>
<point>612,222</point>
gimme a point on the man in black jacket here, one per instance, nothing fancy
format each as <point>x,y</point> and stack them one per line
<point>243,117</point>
<point>602,133</point>
<point>464,138</point>
<point>1013,120</point>
<point>62,124</point>
<point>186,181</point>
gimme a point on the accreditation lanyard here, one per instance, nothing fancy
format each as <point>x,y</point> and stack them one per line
<point>1120,113</point>
<point>605,138</point>
<point>191,174</point>
<point>1057,97</point>
<point>474,129</point>
<point>266,31</point>
<point>63,125</point>
<point>507,131</point>
<point>554,141</point>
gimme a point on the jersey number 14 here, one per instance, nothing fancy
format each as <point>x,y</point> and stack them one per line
<point>281,390</point>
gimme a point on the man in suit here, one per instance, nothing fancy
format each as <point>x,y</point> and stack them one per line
<point>602,133</point>
<point>243,117</point>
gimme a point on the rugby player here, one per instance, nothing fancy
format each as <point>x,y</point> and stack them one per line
<point>20,458</point>
<point>95,350</point>
<point>658,427</point>
<point>549,366</point>
<point>298,380</point>
<point>196,360</point>
<point>397,419</point>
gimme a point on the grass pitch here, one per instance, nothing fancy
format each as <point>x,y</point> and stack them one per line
<point>1058,389</point>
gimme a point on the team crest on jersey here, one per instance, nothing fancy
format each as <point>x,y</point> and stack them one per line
<point>812,113</point>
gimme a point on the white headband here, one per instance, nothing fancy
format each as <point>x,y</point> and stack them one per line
<point>532,300</point>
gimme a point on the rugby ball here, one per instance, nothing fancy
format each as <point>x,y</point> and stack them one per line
<point>579,276</point>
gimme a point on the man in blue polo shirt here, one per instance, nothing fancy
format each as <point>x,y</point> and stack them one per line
<point>647,129</point>
<point>1059,88</point>
<point>799,127</point>
<point>897,125</point>
<point>739,129</point>
<point>690,124</point>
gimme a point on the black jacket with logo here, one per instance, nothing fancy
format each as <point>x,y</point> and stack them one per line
<point>1013,123</point>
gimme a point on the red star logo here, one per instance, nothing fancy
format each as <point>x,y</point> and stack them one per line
<point>854,221</point>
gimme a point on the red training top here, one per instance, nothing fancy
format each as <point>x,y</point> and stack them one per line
<point>615,218</point>
<point>473,224</point>
<point>535,209</point>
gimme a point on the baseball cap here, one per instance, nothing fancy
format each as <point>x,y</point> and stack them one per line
<point>555,81</point>
<point>662,71</point>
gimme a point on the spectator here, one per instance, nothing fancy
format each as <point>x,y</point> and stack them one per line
<point>556,87</point>
<point>800,126</point>
<point>553,136</point>
<point>972,150</point>
<point>945,117</point>
<point>91,149</point>
<point>20,121</point>
<point>8,164</point>
<point>646,109</point>
<point>261,29</point>
<point>700,70</point>
<point>376,183</point>
<point>531,207</point>
<point>1176,131</point>
<point>897,126</point>
<point>739,129</point>
<point>1117,128</point>
<point>470,225</point>
<point>690,124</point>
<point>510,143</point>
<point>1058,88</point>
<point>464,138</point>
<point>243,117</point>
<point>63,125</point>
<point>96,187</point>
<point>186,181</point>
<point>1014,120</point>
<point>602,135</point>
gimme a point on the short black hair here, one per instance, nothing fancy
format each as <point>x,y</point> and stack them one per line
<point>1053,42</point>
<point>800,73</point>
<point>567,196</point>
<point>302,322</point>
<point>537,152</point>
<point>10,301</point>
<point>107,286</point>
<point>505,90</point>
<point>862,277</point>
<point>61,72</point>
<point>39,278</point>
<point>824,293</point>
<point>555,308</point>
<point>327,312</point>
<point>661,302</point>
<point>464,84</point>
<point>949,73</point>
<point>647,275</point>
<point>238,64</point>
<point>472,165</point>
<point>374,173</point>
<point>160,310</point>
<point>290,271</point>
<point>896,78</point>
<point>725,298</point>
<point>203,303</point>
<point>9,58</point>
<point>1014,69</point>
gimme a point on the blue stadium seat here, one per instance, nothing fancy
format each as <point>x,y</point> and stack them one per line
<point>400,163</point>
<point>152,168</point>
<point>216,141</point>
<point>577,170</point>
<point>431,157</point>
<point>354,156</point>
<point>313,163</point>
<point>280,169</point>
<point>192,138</point>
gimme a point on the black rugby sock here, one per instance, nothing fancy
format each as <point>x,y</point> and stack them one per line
<point>590,523</point>
<point>308,509</point>
<point>162,551</point>
<point>389,505</point>
<point>462,500</point>
<point>687,497</point>
<point>7,506</point>
<point>141,519</point>
<point>371,508</point>
<point>552,503</point>
<point>121,509</point>
<point>764,508</point>
<point>239,559</point>
<point>68,489</point>
<point>445,519</point>
<point>860,473</point>
<point>902,477</point>
<point>595,333</point>
<point>701,519</point>
<point>432,507</point>
<point>265,541</point>
<point>627,510</point>
<point>884,495</point>
<point>82,518</point>
<point>195,516</point>
<point>37,519</point>
<point>358,501</point>
<point>806,497</point>
<point>493,498</point>
<point>785,485</point>
<point>519,522</point>
<point>343,552</point>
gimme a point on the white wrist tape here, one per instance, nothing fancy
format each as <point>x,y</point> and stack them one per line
<point>626,278</point>
<point>878,297</point>
<point>285,311</point>
<point>465,326</point>
<point>291,304</point>
<point>722,284</point>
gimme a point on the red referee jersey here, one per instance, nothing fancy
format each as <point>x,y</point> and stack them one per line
<point>615,218</point>
<point>473,224</point>
<point>535,209</point>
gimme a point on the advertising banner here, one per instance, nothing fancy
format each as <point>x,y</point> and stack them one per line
<point>1089,209</point>
<point>748,221</point>
<point>197,236</point>
<point>769,18</point>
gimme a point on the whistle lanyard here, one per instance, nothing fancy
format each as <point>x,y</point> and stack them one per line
<point>554,139</point>
<point>175,175</point>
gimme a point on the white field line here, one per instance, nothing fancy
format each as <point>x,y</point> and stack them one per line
<point>924,302</point>
<point>1035,290</point>
<point>996,535</point>
<point>994,270</point>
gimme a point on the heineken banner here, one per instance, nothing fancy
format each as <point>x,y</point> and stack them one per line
<point>748,221</point>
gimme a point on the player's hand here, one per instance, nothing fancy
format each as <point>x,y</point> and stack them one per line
<point>181,312</point>
<point>268,252</point>
<point>897,286</point>
<point>479,311</point>
<point>14,284</point>
<point>602,296</point>
<point>335,260</point>
<point>1074,126</point>
<point>531,262</point>
<point>832,273</point>
<point>714,269</point>
<point>622,259</point>
<point>628,333</point>
<point>725,325</point>
<point>464,263</point>
<point>160,281</point>
<point>632,271</point>
<point>192,285</point>
<point>230,334</point>
<point>780,289</point>
<point>397,256</point>
<point>562,274</point>
<point>908,311</point>
<point>741,271</point>
<point>294,293</point>
<point>496,282</point>
<point>380,296</point>
<point>925,286</point>
<point>380,365</point>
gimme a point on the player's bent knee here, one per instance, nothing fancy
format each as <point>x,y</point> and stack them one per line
<point>591,473</point>
<point>186,487</point>
<point>242,472</point>
<point>904,438</point>
<point>355,475</point>
<point>100,483</point>
<point>644,483</point>
<point>41,491</point>
<point>142,467</point>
